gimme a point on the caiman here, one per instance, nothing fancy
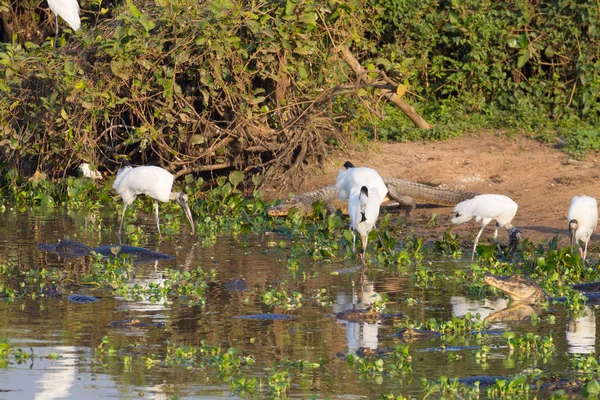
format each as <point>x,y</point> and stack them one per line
<point>527,291</point>
<point>73,249</point>
<point>405,193</point>
<point>484,381</point>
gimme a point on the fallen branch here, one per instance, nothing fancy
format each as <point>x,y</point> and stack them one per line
<point>388,94</point>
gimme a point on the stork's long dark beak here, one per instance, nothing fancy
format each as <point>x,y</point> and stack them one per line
<point>184,203</point>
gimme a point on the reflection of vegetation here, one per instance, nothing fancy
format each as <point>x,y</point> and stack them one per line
<point>530,345</point>
<point>309,249</point>
<point>109,274</point>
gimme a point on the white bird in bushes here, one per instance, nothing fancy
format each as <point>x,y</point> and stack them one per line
<point>488,207</point>
<point>364,190</point>
<point>89,172</point>
<point>152,181</point>
<point>67,10</point>
<point>583,220</point>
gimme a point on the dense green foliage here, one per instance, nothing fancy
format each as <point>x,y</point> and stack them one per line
<point>516,64</point>
<point>212,85</point>
<point>198,86</point>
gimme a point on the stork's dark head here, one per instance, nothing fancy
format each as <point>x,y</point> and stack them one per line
<point>348,165</point>
<point>573,226</point>
<point>364,191</point>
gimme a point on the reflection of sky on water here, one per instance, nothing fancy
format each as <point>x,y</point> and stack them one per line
<point>57,381</point>
<point>61,378</point>
<point>581,333</point>
<point>358,334</point>
<point>461,306</point>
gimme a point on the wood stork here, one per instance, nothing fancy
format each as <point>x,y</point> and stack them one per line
<point>583,220</point>
<point>152,181</point>
<point>67,10</point>
<point>364,190</point>
<point>488,207</point>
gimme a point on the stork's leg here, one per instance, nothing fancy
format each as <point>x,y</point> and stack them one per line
<point>365,241</point>
<point>585,251</point>
<point>56,36</point>
<point>496,238</point>
<point>122,218</point>
<point>476,240</point>
<point>353,241</point>
<point>156,216</point>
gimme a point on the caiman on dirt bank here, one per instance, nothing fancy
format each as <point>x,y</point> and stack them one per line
<point>406,193</point>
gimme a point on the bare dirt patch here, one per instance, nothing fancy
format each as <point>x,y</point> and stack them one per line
<point>539,177</point>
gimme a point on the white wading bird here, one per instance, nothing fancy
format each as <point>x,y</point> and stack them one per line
<point>67,10</point>
<point>152,181</point>
<point>488,207</point>
<point>365,191</point>
<point>583,219</point>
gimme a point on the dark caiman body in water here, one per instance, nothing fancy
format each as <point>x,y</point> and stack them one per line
<point>74,249</point>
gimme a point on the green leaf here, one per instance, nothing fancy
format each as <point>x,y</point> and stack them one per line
<point>453,17</point>
<point>523,58</point>
<point>348,235</point>
<point>290,6</point>
<point>146,23</point>
<point>523,41</point>
<point>236,177</point>
<point>303,50</point>
<point>135,12</point>
<point>258,179</point>
<point>592,388</point>
<point>309,18</point>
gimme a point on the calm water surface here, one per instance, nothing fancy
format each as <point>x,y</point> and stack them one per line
<point>74,331</point>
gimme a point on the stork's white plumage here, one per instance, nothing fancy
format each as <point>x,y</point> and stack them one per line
<point>354,177</point>
<point>365,191</point>
<point>152,181</point>
<point>583,220</point>
<point>67,10</point>
<point>363,208</point>
<point>485,208</point>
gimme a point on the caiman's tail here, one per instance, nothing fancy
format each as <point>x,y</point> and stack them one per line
<point>423,193</point>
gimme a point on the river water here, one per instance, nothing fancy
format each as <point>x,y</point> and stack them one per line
<point>64,336</point>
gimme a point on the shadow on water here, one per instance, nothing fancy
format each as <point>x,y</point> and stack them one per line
<point>65,336</point>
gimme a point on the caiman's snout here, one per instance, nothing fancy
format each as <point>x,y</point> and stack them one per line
<point>489,278</point>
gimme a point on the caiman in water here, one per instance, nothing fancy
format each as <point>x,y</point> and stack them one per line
<point>525,294</point>
<point>526,290</point>
<point>73,249</point>
<point>406,193</point>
